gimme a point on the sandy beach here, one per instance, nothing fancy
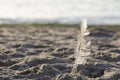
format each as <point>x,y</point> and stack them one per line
<point>46,53</point>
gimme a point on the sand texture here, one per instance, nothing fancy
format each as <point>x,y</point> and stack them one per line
<point>48,54</point>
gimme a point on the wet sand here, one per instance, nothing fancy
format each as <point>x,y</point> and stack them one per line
<point>44,53</point>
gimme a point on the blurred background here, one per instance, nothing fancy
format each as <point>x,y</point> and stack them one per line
<point>98,12</point>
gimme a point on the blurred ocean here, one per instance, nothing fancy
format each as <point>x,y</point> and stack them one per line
<point>60,11</point>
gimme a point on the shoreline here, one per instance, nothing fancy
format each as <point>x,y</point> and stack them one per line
<point>55,25</point>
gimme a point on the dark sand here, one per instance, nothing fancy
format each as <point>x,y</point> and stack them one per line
<point>48,54</point>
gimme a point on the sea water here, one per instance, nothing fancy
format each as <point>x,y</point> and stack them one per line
<point>60,11</point>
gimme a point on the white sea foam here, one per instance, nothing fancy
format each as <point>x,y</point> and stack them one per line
<point>61,11</point>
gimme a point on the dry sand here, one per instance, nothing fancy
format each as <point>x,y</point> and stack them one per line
<point>48,54</point>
